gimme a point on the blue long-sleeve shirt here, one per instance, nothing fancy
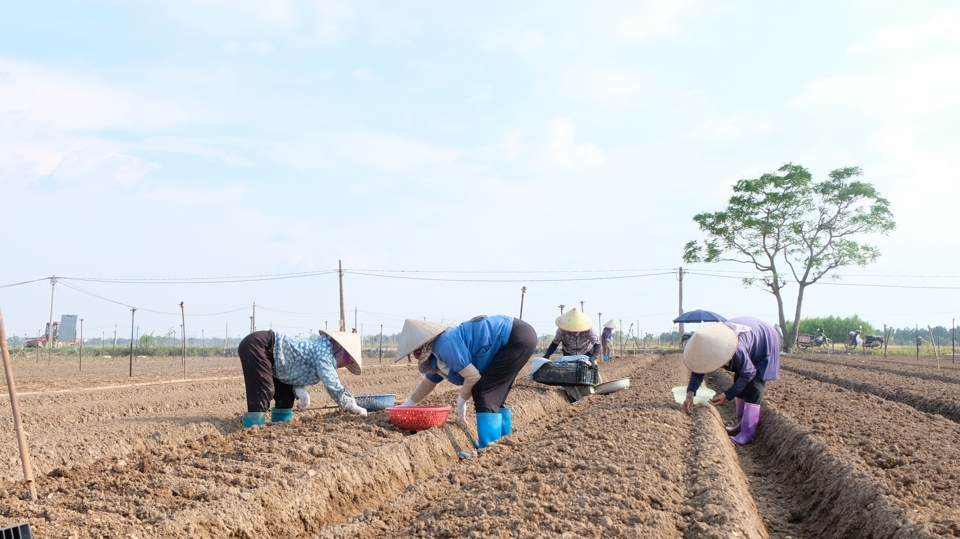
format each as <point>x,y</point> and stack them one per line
<point>758,352</point>
<point>474,342</point>
<point>302,362</point>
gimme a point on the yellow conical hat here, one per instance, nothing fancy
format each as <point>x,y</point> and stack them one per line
<point>350,342</point>
<point>575,321</point>
<point>710,348</point>
<point>416,333</point>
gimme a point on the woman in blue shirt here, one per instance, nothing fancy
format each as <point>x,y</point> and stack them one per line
<point>483,356</point>
<point>278,367</point>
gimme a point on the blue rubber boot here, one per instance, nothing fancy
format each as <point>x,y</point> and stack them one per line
<point>506,421</point>
<point>253,419</point>
<point>489,428</point>
<point>280,415</point>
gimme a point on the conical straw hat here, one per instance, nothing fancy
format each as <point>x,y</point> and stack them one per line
<point>610,324</point>
<point>350,342</point>
<point>416,333</point>
<point>575,321</point>
<point>710,348</point>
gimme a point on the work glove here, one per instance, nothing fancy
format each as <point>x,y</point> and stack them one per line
<point>461,408</point>
<point>408,402</point>
<point>357,410</point>
<point>303,397</point>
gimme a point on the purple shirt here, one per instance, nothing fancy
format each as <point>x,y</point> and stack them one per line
<point>758,352</point>
<point>607,333</point>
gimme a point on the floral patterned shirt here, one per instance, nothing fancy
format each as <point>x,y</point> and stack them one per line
<point>302,362</point>
<point>575,343</point>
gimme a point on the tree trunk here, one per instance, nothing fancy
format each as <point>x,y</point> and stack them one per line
<point>796,317</point>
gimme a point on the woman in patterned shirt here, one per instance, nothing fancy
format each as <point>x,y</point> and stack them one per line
<point>574,331</point>
<point>278,367</point>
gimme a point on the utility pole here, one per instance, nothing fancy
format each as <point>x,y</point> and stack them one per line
<point>133,312</point>
<point>355,310</point>
<point>203,344</point>
<point>253,323</point>
<point>15,407</point>
<point>53,289</point>
<point>114,337</point>
<point>561,308</point>
<point>381,343</point>
<point>226,336</point>
<point>81,344</point>
<point>680,280</point>
<point>581,307</point>
<point>183,332</point>
<point>343,317</point>
<point>523,292</point>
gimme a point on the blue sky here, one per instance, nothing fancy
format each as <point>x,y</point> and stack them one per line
<point>211,138</point>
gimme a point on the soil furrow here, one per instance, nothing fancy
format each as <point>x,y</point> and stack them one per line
<point>947,408</point>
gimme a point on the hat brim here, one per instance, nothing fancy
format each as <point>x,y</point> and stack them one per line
<point>416,333</point>
<point>350,342</point>
<point>710,348</point>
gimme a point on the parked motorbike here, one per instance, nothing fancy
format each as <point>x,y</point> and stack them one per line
<point>820,340</point>
<point>854,339</point>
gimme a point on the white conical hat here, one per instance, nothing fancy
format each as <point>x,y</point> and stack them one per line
<point>610,324</point>
<point>416,333</point>
<point>710,348</point>
<point>350,342</point>
<point>575,321</point>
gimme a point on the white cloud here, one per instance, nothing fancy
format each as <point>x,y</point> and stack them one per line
<point>259,48</point>
<point>729,128</point>
<point>61,99</point>
<point>383,151</point>
<point>657,18</point>
<point>521,39</point>
<point>919,88</point>
<point>562,153</point>
<point>618,89</point>
<point>944,24</point>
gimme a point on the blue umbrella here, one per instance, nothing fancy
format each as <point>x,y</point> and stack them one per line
<point>699,315</point>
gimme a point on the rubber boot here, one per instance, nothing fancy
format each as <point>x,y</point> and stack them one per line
<point>489,428</point>
<point>506,421</point>
<point>281,415</point>
<point>748,425</point>
<point>735,429</point>
<point>253,419</point>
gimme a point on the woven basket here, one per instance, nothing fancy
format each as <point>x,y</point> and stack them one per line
<point>375,402</point>
<point>417,418</point>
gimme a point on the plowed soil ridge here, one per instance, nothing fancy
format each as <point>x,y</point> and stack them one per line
<point>947,408</point>
<point>628,464</point>
<point>876,365</point>
<point>854,465</point>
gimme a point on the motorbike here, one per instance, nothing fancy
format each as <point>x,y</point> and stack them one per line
<point>820,340</point>
<point>854,339</point>
<point>686,337</point>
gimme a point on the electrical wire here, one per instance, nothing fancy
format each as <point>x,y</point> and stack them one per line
<point>204,280</point>
<point>24,282</point>
<point>506,280</point>
<point>87,292</point>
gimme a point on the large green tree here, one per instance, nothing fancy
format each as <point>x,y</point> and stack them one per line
<point>793,230</point>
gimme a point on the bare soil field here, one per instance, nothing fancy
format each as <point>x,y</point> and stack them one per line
<point>156,455</point>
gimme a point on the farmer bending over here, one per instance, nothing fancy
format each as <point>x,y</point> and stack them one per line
<point>279,367</point>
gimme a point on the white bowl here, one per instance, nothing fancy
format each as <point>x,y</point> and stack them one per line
<point>703,396</point>
<point>612,386</point>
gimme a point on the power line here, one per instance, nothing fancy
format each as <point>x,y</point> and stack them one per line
<point>203,280</point>
<point>506,280</point>
<point>25,282</point>
<point>87,292</point>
